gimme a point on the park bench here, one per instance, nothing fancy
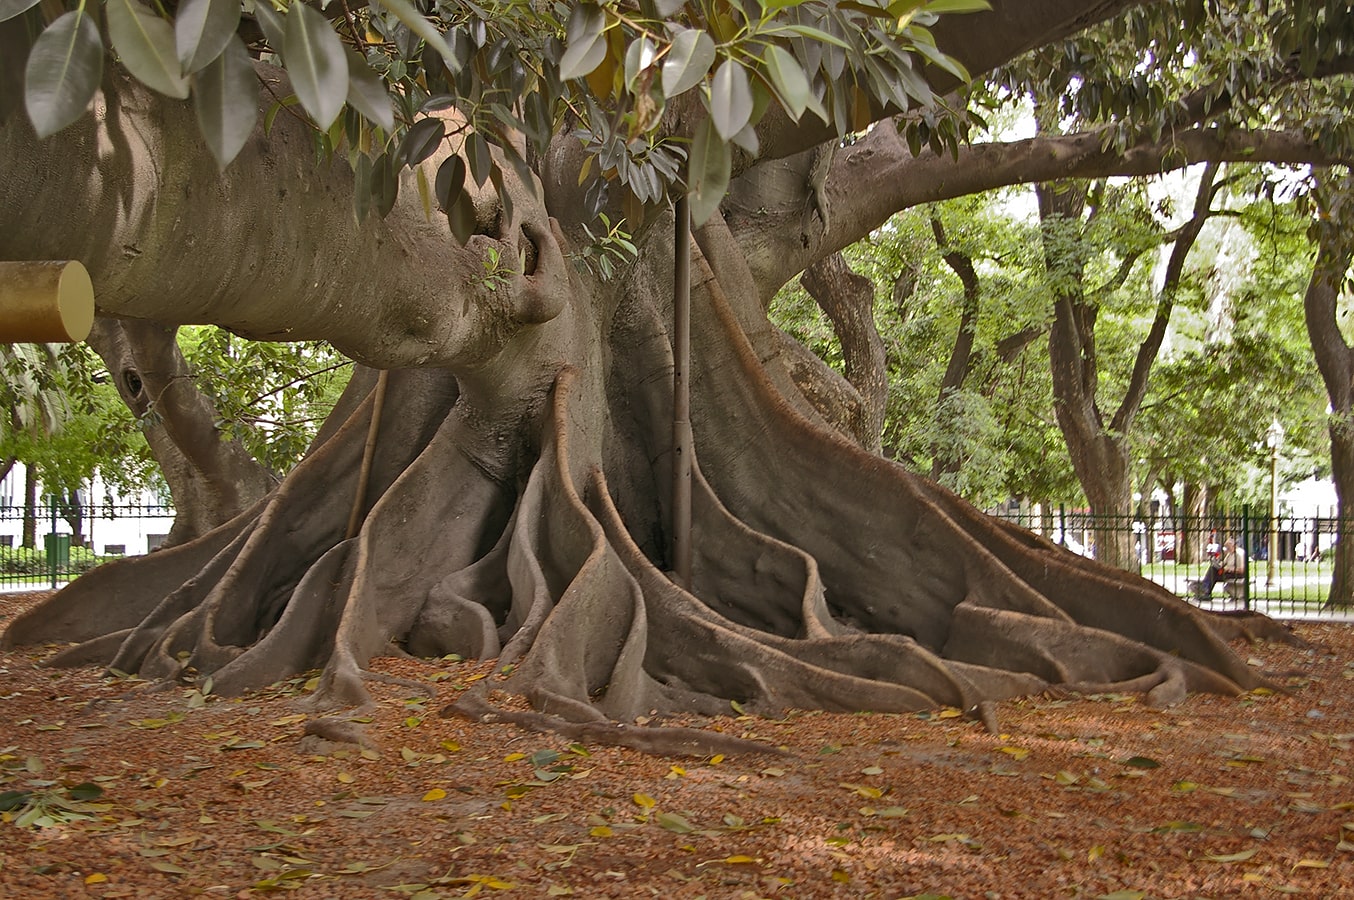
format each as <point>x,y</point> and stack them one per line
<point>1233,586</point>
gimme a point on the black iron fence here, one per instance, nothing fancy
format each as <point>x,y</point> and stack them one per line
<point>47,545</point>
<point>50,544</point>
<point>1291,580</point>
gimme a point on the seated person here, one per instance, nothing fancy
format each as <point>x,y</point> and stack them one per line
<point>1230,566</point>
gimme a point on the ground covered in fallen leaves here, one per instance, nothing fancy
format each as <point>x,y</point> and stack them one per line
<point>113,787</point>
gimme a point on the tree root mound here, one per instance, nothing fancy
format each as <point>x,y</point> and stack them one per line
<point>823,576</point>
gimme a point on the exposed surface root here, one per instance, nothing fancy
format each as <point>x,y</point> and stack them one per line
<point>658,740</point>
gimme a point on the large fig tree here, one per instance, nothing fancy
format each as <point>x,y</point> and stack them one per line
<point>496,481</point>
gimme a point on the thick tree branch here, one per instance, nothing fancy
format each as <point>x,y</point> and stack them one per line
<point>981,41</point>
<point>1175,268</point>
<point>897,180</point>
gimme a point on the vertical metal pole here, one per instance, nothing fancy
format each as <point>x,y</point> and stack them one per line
<point>1246,564</point>
<point>1273,515</point>
<point>51,541</point>
<point>680,549</point>
<point>368,454</point>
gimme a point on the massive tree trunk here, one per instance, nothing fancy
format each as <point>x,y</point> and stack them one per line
<point>516,505</point>
<point>211,478</point>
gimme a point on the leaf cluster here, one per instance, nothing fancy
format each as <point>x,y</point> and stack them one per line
<point>395,82</point>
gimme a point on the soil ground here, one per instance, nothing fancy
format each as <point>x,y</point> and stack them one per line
<point>120,788</point>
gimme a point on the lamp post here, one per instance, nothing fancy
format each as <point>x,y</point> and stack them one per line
<point>1273,440</point>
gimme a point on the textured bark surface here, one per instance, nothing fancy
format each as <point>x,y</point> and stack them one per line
<point>517,500</point>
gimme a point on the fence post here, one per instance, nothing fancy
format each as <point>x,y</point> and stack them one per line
<point>1246,542</point>
<point>51,547</point>
<point>1062,524</point>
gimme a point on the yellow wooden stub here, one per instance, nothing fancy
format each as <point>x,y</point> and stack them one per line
<point>51,301</point>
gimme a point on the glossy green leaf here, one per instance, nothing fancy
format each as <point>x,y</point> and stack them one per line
<point>316,63</point>
<point>145,44</point>
<point>730,98</point>
<point>477,154</point>
<point>449,181</point>
<point>585,41</point>
<point>708,173</point>
<point>421,141</point>
<point>414,21</point>
<point>638,57</point>
<point>367,93</point>
<point>63,72</point>
<point>691,55</point>
<point>225,98</point>
<point>958,6</point>
<point>461,218</point>
<point>274,26</point>
<point>362,187</point>
<point>385,184</point>
<point>789,80</point>
<point>202,29</point>
<point>11,8</point>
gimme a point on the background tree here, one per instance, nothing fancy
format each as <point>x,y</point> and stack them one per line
<point>509,465</point>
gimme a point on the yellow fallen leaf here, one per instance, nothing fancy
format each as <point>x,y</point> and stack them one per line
<point>948,713</point>
<point>716,759</point>
<point>514,757</point>
<point>644,801</point>
<point>840,876</point>
<point>345,778</point>
<point>434,794</point>
<point>1095,853</point>
<point>1311,864</point>
<point>1016,752</point>
<point>1239,856</point>
<point>601,831</point>
<point>96,878</point>
<point>737,859</point>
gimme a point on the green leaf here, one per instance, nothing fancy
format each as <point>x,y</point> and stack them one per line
<point>145,44</point>
<point>638,58</point>
<point>11,8</point>
<point>315,61</point>
<point>789,80</point>
<point>730,98</point>
<point>477,154</point>
<point>958,6</point>
<point>225,98</point>
<point>708,173</point>
<point>63,72</point>
<point>420,26</point>
<point>421,141</point>
<point>202,29</point>
<point>674,823</point>
<point>367,93</point>
<point>273,25</point>
<point>689,58</point>
<point>449,181</point>
<point>1142,762</point>
<point>461,218</point>
<point>585,40</point>
<point>85,791</point>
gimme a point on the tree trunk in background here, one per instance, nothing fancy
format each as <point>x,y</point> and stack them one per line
<point>1335,360</point>
<point>211,478</point>
<point>848,300</point>
<point>1192,530</point>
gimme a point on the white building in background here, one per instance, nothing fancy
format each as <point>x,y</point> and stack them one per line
<point>130,524</point>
